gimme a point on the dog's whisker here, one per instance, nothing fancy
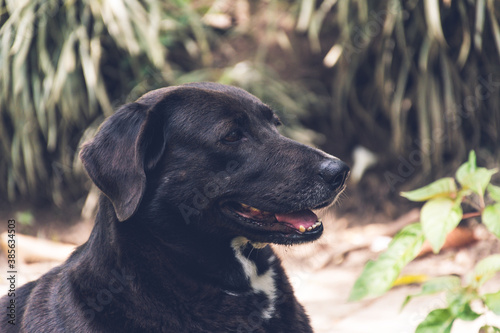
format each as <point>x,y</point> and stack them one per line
<point>250,252</point>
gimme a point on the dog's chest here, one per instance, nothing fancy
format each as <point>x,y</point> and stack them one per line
<point>249,302</point>
<point>259,273</point>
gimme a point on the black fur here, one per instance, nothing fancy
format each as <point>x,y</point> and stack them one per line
<point>165,252</point>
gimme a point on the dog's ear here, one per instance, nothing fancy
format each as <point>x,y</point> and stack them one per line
<point>128,143</point>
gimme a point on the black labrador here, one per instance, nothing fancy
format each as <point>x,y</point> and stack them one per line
<point>196,181</point>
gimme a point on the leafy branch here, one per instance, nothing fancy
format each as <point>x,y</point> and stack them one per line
<point>441,213</point>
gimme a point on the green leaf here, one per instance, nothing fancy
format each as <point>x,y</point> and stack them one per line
<point>489,329</point>
<point>25,218</point>
<point>485,270</point>
<point>472,177</point>
<point>494,192</point>
<point>436,285</point>
<point>471,164</point>
<point>466,313</point>
<point>443,283</point>
<point>438,218</point>
<point>378,276</point>
<point>491,218</point>
<point>439,320</point>
<point>444,187</point>
<point>493,302</point>
<point>407,300</point>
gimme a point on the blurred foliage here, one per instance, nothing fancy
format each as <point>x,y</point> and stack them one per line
<point>415,76</point>
<point>395,76</point>
<point>64,63</point>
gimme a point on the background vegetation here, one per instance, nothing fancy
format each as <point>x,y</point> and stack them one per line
<point>417,82</point>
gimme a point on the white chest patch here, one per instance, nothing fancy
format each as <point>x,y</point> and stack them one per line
<point>259,283</point>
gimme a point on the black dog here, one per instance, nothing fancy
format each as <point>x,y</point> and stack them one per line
<point>196,181</point>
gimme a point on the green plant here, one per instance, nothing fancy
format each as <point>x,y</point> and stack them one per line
<point>441,213</point>
<point>63,66</point>
<point>419,74</point>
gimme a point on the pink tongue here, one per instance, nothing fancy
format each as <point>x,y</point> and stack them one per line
<point>305,218</point>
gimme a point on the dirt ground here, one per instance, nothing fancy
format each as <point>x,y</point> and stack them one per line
<point>324,272</point>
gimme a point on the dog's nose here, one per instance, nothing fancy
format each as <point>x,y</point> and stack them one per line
<point>334,172</point>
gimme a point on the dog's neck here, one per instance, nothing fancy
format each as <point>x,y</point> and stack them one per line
<point>233,265</point>
<point>260,275</point>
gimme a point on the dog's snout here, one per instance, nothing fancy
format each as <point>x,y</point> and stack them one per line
<point>334,172</point>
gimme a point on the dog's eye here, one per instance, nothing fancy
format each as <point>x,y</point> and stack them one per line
<point>233,136</point>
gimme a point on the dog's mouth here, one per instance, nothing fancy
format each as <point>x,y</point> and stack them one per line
<point>291,227</point>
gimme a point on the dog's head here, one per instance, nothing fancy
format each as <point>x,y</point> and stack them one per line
<point>210,157</point>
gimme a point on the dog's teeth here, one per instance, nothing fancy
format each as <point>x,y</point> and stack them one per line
<point>310,228</point>
<point>244,205</point>
<point>302,228</point>
<point>254,210</point>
